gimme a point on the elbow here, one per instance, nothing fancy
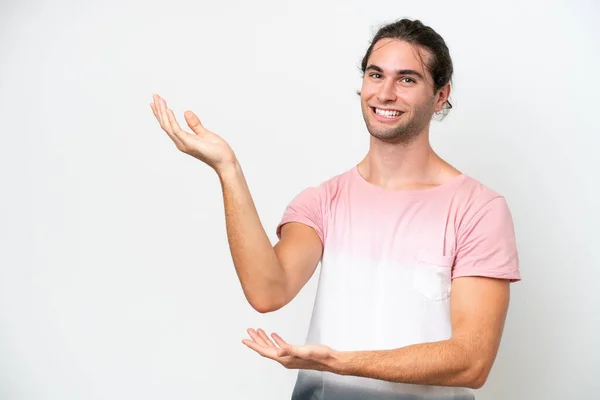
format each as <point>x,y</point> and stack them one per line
<point>477,375</point>
<point>476,383</point>
<point>266,305</point>
<point>267,299</point>
<point>264,308</point>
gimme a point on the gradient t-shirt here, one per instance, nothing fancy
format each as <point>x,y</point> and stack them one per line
<point>388,261</point>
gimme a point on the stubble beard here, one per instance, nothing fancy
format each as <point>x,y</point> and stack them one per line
<point>407,129</point>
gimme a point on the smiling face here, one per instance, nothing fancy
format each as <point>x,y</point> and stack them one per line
<point>397,96</point>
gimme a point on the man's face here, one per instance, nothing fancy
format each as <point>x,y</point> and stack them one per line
<point>397,96</point>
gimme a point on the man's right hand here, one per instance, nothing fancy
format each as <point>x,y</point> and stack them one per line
<point>270,276</point>
<point>203,144</point>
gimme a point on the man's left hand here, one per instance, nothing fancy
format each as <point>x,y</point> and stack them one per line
<point>315,357</point>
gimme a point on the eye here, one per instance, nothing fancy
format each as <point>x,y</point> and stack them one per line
<point>410,79</point>
<point>373,75</point>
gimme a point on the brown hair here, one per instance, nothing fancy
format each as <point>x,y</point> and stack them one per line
<point>415,32</point>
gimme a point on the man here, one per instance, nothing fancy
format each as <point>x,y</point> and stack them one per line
<point>416,256</point>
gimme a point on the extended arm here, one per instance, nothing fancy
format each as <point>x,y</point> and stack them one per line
<point>270,276</point>
<point>478,307</point>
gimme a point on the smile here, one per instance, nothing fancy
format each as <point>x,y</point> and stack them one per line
<point>386,115</point>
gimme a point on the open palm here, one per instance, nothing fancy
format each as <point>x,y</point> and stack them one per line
<point>311,356</point>
<point>202,144</point>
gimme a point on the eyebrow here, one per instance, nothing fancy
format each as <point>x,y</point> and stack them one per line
<point>398,72</point>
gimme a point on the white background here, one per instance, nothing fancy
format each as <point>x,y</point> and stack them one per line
<point>115,277</point>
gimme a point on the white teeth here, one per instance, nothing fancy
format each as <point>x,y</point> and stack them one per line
<point>387,113</point>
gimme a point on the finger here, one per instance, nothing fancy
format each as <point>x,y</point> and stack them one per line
<point>264,336</point>
<point>177,131</point>
<point>178,134</point>
<point>166,124</point>
<point>194,123</point>
<point>163,115</point>
<point>153,107</point>
<point>280,342</point>
<point>264,351</point>
<point>254,346</point>
<point>157,108</point>
<point>287,351</point>
<point>256,337</point>
<point>159,115</point>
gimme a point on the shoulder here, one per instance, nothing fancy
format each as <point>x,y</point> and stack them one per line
<point>485,235</point>
<point>320,195</point>
<point>476,202</point>
<point>472,195</point>
<point>473,190</point>
<point>311,205</point>
<point>329,188</point>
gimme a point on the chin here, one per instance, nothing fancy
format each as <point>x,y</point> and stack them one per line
<point>397,135</point>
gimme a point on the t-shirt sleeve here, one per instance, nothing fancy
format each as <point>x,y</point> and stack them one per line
<point>306,208</point>
<point>486,244</point>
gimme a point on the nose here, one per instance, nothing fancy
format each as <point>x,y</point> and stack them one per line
<point>386,92</point>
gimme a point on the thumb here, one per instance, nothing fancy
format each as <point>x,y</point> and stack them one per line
<point>285,351</point>
<point>194,122</point>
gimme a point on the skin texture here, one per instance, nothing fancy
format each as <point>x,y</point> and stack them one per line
<point>400,157</point>
<point>478,309</point>
<point>271,276</point>
<point>383,87</point>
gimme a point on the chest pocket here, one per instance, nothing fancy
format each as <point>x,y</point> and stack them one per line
<point>433,276</point>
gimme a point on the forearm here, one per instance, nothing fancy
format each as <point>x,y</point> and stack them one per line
<point>444,363</point>
<point>258,269</point>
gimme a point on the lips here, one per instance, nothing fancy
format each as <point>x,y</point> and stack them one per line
<point>387,114</point>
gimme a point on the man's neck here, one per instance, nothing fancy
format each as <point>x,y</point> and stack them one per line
<point>403,166</point>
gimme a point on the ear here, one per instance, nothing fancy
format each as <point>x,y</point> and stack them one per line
<point>442,97</point>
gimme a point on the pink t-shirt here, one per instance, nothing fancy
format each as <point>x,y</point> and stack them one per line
<point>388,262</point>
